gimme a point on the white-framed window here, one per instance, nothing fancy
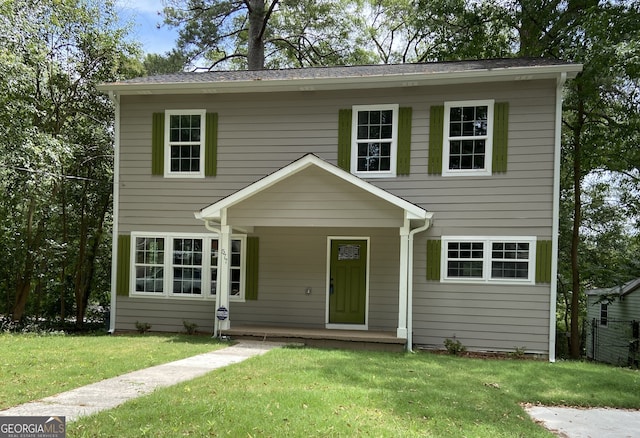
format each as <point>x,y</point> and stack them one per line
<point>184,265</point>
<point>237,267</point>
<point>604,314</point>
<point>149,262</point>
<point>374,136</point>
<point>184,143</point>
<point>187,265</point>
<point>468,138</point>
<point>484,259</point>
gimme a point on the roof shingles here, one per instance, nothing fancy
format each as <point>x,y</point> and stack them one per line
<point>343,71</point>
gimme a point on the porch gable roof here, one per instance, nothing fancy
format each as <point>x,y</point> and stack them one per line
<point>214,212</point>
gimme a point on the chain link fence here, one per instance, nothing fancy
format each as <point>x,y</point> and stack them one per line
<point>616,342</point>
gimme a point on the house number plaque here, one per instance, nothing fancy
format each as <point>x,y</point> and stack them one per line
<point>348,252</point>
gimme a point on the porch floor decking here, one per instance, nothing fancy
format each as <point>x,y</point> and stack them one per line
<point>319,337</point>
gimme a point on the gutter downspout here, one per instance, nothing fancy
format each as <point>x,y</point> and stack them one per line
<point>216,324</point>
<point>427,223</point>
<point>116,210</point>
<point>555,228</point>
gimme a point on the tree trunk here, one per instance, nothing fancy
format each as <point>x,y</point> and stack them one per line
<point>23,283</point>
<point>575,235</point>
<point>78,281</point>
<point>255,49</point>
<point>65,241</point>
<point>22,293</point>
<point>530,32</point>
<point>87,263</point>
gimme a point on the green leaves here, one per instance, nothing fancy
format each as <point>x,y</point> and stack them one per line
<point>56,151</point>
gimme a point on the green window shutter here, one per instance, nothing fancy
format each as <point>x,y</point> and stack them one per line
<point>123,265</point>
<point>157,144</point>
<point>253,250</point>
<point>404,141</point>
<point>211,145</point>
<point>500,136</point>
<point>436,132</point>
<point>543,261</point>
<point>433,259</point>
<point>344,139</point>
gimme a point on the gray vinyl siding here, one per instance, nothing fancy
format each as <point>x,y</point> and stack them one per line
<point>294,259</point>
<point>164,315</point>
<point>291,260</point>
<point>611,343</point>
<point>314,198</point>
<point>484,317</point>
<point>259,134</point>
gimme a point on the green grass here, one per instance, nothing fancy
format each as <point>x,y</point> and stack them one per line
<point>36,366</point>
<point>309,392</point>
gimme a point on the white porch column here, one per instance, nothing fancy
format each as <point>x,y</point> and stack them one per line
<point>225,261</point>
<point>403,282</point>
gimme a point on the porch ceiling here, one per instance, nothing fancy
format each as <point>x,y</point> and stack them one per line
<point>310,193</point>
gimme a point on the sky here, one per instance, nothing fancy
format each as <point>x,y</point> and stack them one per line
<point>145,16</point>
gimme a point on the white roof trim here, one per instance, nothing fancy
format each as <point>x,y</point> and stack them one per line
<point>214,212</point>
<point>411,79</point>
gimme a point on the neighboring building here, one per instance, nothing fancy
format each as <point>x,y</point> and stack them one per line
<point>419,200</point>
<point>613,324</point>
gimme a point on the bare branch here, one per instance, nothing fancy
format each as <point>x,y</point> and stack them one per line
<point>266,18</point>
<point>221,60</point>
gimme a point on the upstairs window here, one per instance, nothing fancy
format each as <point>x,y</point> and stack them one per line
<point>468,138</point>
<point>375,145</point>
<point>184,143</point>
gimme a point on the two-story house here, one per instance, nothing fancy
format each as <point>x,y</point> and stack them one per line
<point>415,201</point>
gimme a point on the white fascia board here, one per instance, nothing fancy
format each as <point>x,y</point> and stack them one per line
<point>347,83</point>
<point>214,211</point>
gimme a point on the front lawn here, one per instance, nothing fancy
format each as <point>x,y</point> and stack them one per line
<point>309,392</point>
<point>37,366</point>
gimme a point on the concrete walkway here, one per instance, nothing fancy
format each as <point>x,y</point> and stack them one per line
<point>587,423</point>
<point>110,393</point>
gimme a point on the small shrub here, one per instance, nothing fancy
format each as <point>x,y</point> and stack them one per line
<point>454,346</point>
<point>143,327</point>
<point>518,352</point>
<point>190,327</point>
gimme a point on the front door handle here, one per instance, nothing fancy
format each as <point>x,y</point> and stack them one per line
<point>331,287</point>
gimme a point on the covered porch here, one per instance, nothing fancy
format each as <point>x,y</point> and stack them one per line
<point>335,258</point>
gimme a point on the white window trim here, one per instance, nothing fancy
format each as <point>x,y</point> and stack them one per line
<point>168,266</point>
<point>394,140</point>
<point>486,260</point>
<point>603,322</point>
<point>167,143</point>
<point>243,265</point>
<point>446,148</point>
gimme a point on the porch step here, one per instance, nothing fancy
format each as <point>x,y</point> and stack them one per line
<point>322,338</point>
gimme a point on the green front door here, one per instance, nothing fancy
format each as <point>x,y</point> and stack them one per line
<point>348,282</point>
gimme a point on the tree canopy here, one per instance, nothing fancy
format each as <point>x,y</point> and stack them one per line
<point>56,152</point>
<point>56,129</point>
